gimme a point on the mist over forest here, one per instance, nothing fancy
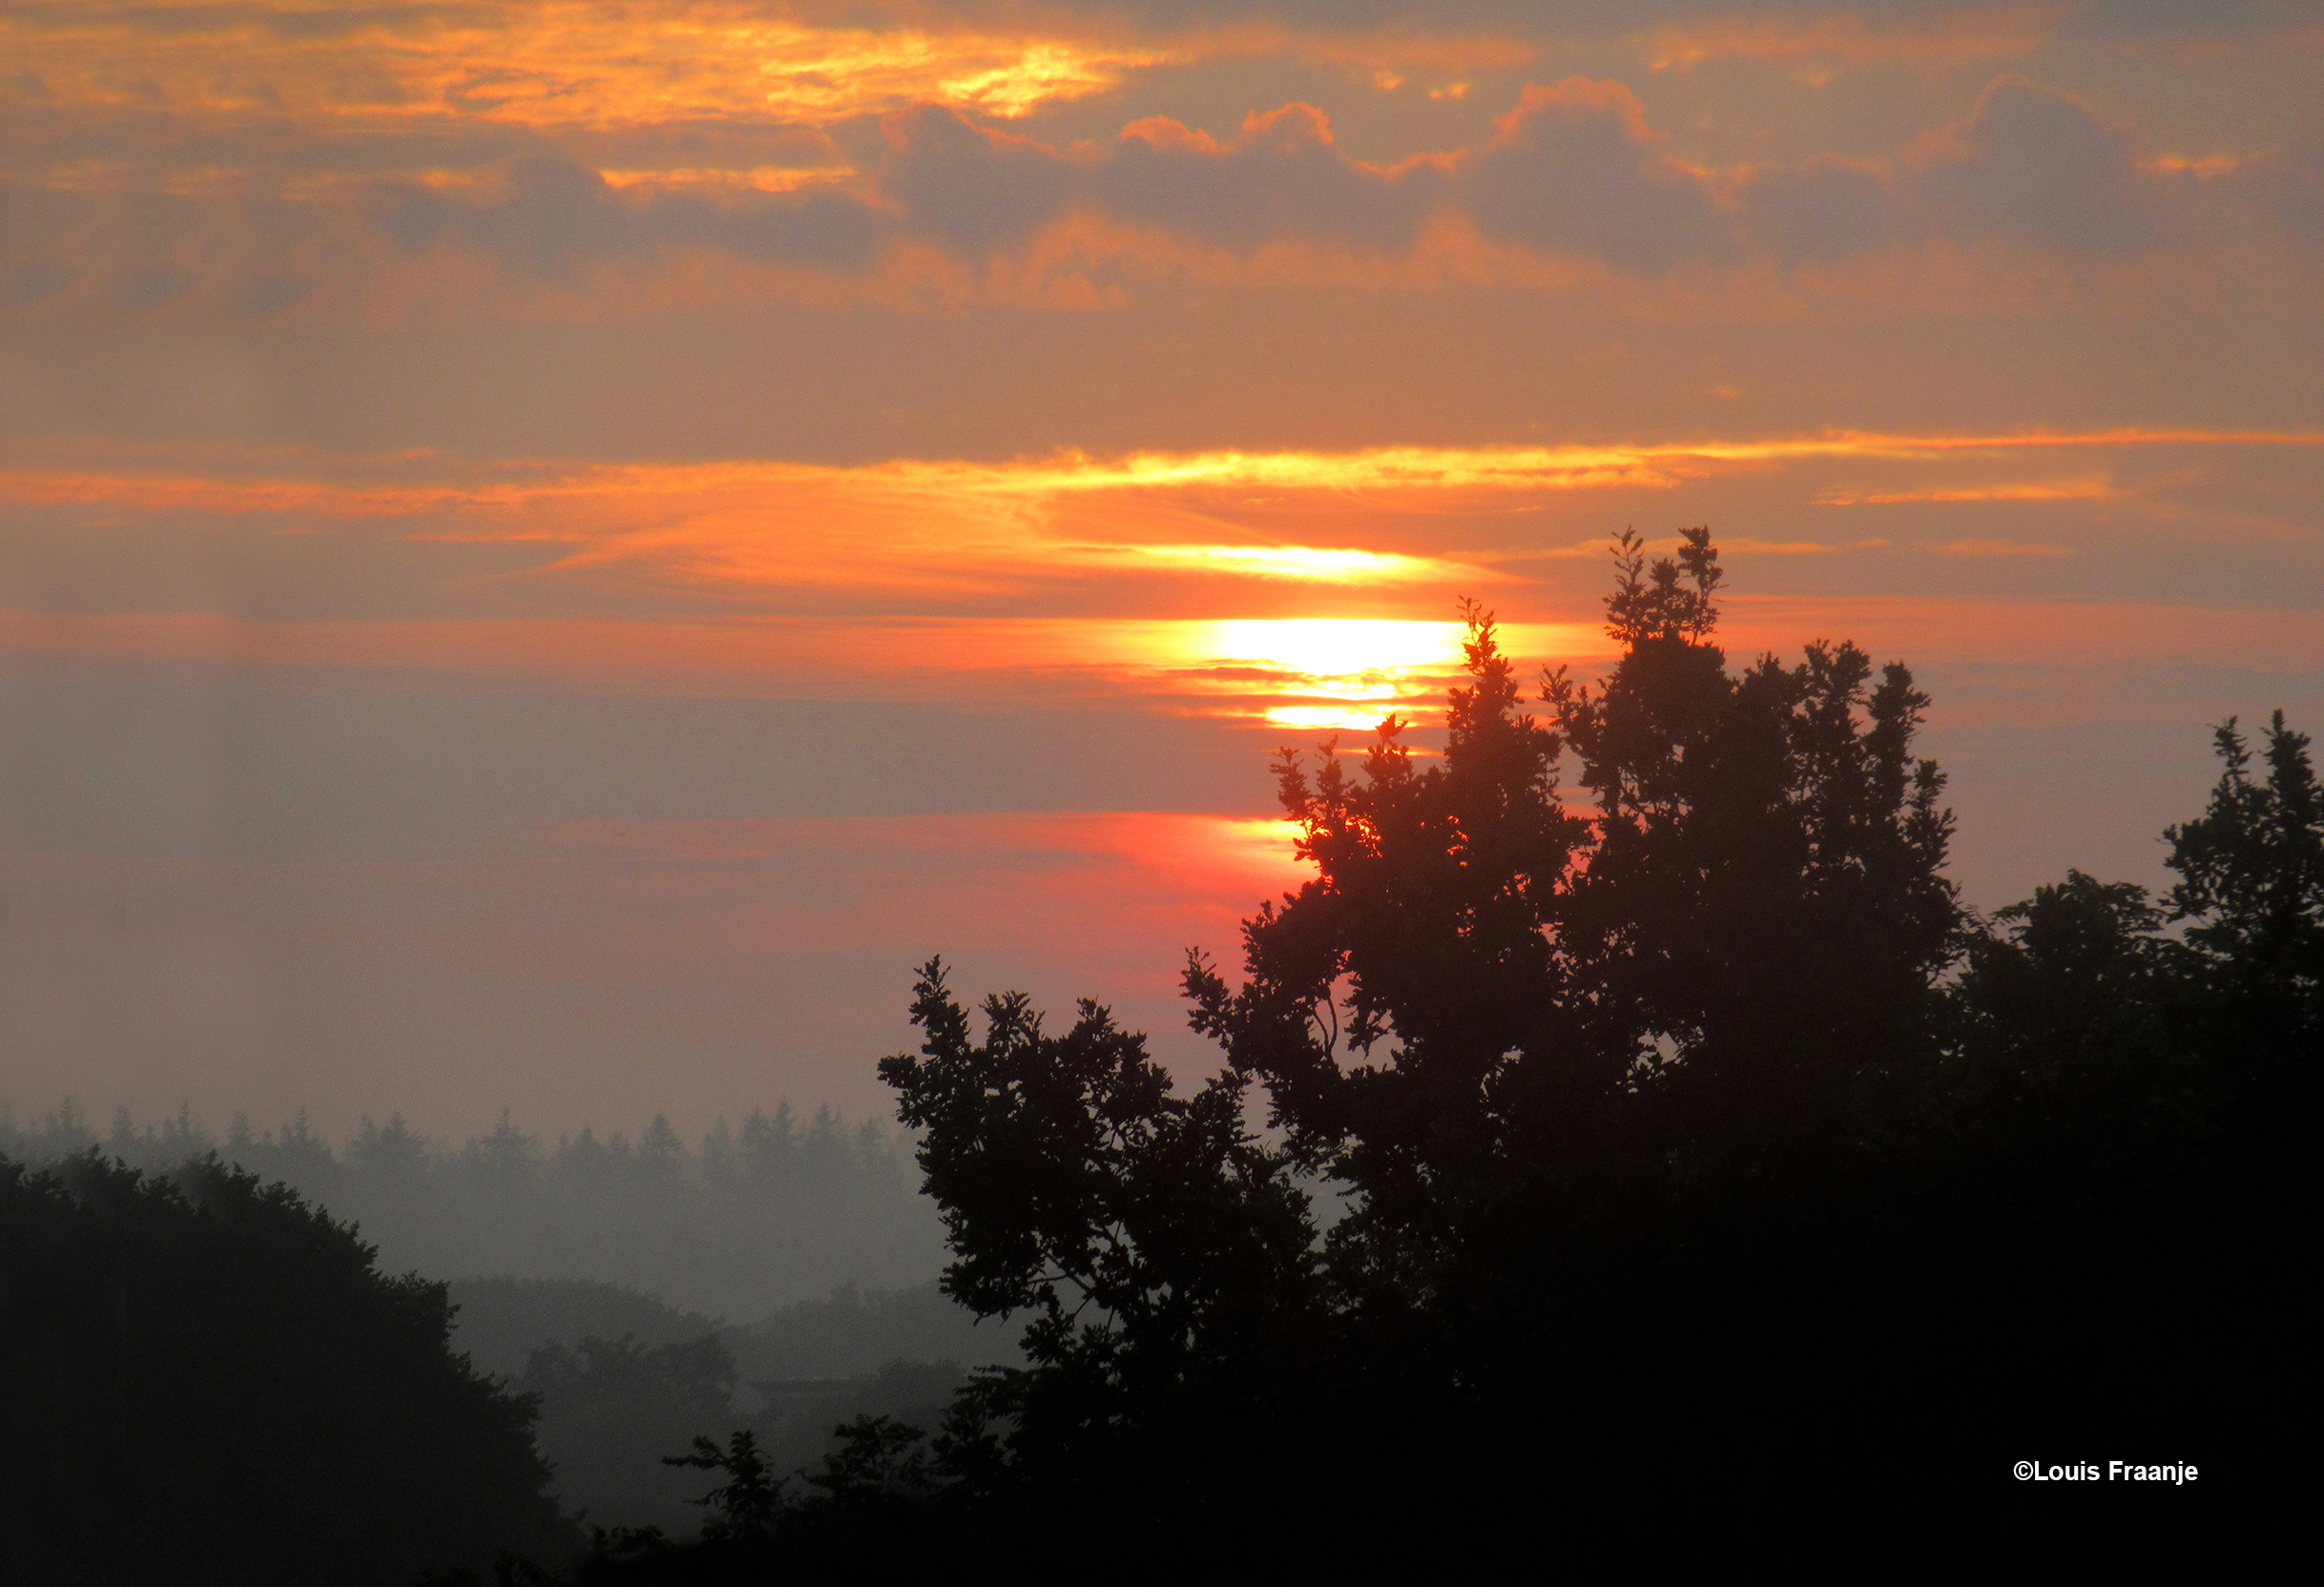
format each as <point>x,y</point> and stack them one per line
<point>736,1224</point>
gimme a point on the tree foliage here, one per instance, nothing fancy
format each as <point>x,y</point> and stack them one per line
<point>2251,877</point>
<point>1675,1114</point>
<point>206,1380</point>
<point>1134,1226</point>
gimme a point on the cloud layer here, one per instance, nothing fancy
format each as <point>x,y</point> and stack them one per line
<point>256,161</point>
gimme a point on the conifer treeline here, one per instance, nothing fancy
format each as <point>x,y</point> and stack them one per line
<point>741,1222</point>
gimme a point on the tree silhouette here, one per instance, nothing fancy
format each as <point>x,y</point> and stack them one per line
<point>2252,880</point>
<point>1702,1128</point>
<point>749,1503</point>
<point>205,1380</point>
<point>1134,1226</point>
<point>1536,1046</point>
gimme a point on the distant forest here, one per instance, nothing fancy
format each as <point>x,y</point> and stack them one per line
<point>644,1340</point>
<point>743,1221</point>
<point>1693,1154</point>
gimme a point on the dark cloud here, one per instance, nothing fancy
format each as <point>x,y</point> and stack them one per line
<point>974,189</point>
<point>2134,20</point>
<point>1587,17</point>
<point>290,22</point>
<point>1819,210</point>
<point>271,146</point>
<point>556,213</point>
<point>1281,179</point>
<point>2033,166</point>
<point>2028,165</point>
<point>1575,170</point>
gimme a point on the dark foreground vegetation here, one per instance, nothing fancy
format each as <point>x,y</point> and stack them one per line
<point>1697,1147</point>
<point>203,1380</point>
<point>621,1379</point>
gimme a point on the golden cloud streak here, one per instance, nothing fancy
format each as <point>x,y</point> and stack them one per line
<point>1385,469</point>
<point>560,62</point>
<point>758,178</point>
<point>825,75</point>
<point>913,532</point>
<point>608,63</point>
<point>1399,468</point>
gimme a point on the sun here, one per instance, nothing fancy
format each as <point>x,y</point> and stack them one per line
<point>1339,673</point>
<point>1342,649</point>
<point>1322,675</point>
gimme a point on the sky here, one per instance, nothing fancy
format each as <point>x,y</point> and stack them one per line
<point>555,550</point>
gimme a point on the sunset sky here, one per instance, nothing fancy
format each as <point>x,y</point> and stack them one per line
<point>554,550</point>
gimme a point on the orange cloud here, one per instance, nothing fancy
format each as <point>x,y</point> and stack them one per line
<point>603,63</point>
<point>586,156</point>
<point>960,529</point>
<point>559,63</point>
<point>1387,470</point>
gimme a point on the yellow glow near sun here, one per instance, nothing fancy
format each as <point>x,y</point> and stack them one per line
<point>1331,718</point>
<point>1339,647</point>
<point>1297,561</point>
<point>1342,674</point>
